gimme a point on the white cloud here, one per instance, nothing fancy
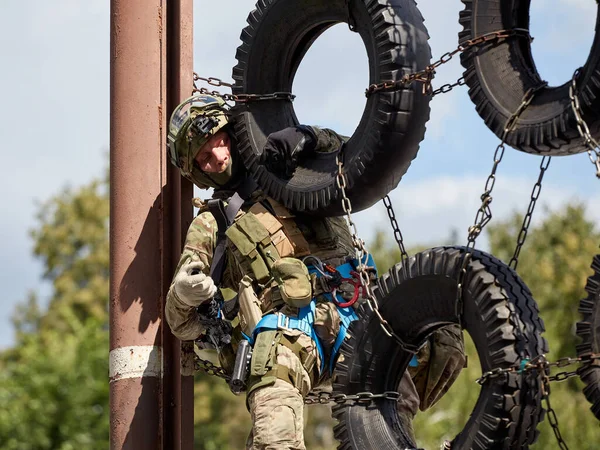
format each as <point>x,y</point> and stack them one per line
<point>429,209</point>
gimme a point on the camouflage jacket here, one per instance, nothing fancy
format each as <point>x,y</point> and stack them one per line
<point>328,238</point>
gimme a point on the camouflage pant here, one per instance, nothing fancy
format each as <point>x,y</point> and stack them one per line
<point>277,418</point>
<point>277,413</point>
<point>277,410</point>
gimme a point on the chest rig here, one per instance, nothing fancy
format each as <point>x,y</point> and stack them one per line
<point>267,245</point>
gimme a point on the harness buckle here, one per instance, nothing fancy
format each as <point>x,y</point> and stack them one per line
<point>283,322</point>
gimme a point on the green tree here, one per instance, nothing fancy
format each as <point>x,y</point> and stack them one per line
<point>554,263</point>
<point>53,383</point>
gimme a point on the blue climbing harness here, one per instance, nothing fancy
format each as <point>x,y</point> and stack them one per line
<point>306,316</point>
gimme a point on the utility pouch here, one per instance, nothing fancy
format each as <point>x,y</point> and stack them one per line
<point>294,282</point>
<point>263,352</point>
<point>250,312</point>
<point>253,242</point>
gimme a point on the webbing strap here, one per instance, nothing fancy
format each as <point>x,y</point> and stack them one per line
<point>217,267</point>
<point>225,215</point>
<point>304,322</point>
<point>306,318</point>
<point>347,316</point>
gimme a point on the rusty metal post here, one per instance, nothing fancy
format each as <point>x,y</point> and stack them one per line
<point>178,362</point>
<point>146,382</point>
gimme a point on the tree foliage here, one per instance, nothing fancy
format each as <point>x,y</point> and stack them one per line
<point>53,383</point>
<point>555,263</point>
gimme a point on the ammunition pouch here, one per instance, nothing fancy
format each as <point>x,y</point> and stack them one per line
<point>253,248</point>
<point>264,360</point>
<point>266,247</point>
<point>291,275</point>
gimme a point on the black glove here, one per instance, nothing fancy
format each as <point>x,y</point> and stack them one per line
<point>283,149</point>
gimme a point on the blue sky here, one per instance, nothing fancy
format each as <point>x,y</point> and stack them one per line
<point>54,118</point>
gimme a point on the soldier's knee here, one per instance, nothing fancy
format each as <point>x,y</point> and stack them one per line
<point>277,417</point>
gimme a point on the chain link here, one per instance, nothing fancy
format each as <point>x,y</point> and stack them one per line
<point>362,254</point>
<point>582,127</point>
<point>484,213</point>
<point>541,364</point>
<point>426,75</point>
<point>397,233</point>
<point>326,397</point>
<point>238,98</point>
<point>208,367</point>
<point>535,193</point>
<point>552,417</point>
<point>322,398</point>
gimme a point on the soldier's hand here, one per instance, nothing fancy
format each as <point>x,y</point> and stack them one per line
<point>192,286</point>
<point>440,363</point>
<point>283,149</point>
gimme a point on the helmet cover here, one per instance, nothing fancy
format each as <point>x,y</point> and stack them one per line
<point>192,124</point>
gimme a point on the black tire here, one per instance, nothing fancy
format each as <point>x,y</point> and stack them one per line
<point>498,77</point>
<point>589,331</point>
<point>392,125</point>
<point>500,315</point>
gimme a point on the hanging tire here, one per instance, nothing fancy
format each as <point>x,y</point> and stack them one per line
<point>387,138</point>
<point>500,315</point>
<point>589,331</point>
<point>498,77</point>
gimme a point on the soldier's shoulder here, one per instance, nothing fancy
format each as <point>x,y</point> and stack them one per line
<point>204,222</point>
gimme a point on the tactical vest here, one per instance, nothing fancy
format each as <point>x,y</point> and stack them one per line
<point>268,245</point>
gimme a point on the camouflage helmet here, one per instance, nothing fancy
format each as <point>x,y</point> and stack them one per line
<point>192,124</point>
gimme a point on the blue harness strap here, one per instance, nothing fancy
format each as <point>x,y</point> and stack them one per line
<point>306,316</point>
<point>347,315</point>
<point>304,322</point>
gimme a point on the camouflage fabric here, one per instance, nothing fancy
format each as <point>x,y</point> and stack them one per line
<point>327,139</point>
<point>277,418</point>
<point>276,405</point>
<point>441,360</point>
<point>192,124</point>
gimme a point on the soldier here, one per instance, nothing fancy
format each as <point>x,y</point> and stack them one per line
<point>297,269</point>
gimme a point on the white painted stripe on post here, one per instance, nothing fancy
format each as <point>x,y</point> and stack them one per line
<point>135,362</point>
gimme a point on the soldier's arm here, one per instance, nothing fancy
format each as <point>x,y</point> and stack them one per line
<point>284,148</point>
<point>199,244</point>
<point>326,140</point>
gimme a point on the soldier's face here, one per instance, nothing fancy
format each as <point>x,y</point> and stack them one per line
<point>215,155</point>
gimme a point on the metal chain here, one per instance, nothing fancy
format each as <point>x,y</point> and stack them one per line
<point>484,213</point>
<point>322,398</point>
<point>238,98</point>
<point>362,254</point>
<point>397,233</point>
<point>326,397</point>
<point>426,75</point>
<point>552,417</point>
<point>582,127</point>
<point>211,369</point>
<point>535,193</point>
<point>541,364</point>
<point>449,86</point>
